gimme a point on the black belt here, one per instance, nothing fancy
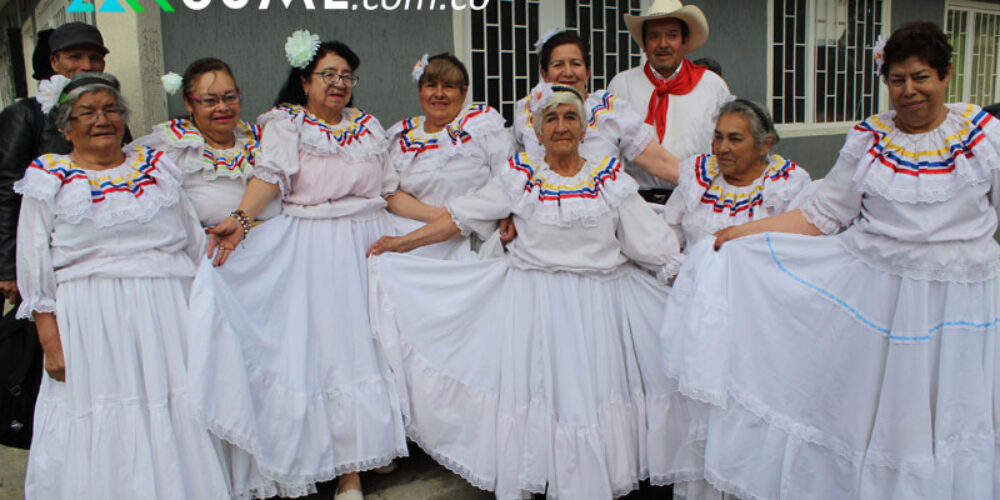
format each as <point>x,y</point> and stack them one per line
<point>655,195</point>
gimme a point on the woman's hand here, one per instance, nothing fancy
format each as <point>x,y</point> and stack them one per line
<point>222,240</point>
<point>48,336</point>
<point>9,290</point>
<point>507,230</point>
<point>731,233</point>
<point>388,244</point>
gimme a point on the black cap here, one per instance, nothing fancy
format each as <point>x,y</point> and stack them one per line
<point>73,34</point>
<point>40,57</point>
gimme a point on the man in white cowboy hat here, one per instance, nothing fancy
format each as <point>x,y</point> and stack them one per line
<point>681,99</point>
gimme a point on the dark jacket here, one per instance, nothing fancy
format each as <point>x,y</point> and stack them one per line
<point>22,139</point>
<point>25,134</point>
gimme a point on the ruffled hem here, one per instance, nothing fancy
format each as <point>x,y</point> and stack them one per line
<point>646,135</point>
<point>358,134</point>
<point>895,167</point>
<point>35,304</point>
<point>671,268</point>
<point>595,191</point>
<point>826,224</point>
<point>134,191</point>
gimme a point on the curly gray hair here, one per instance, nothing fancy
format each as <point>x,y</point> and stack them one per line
<point>85,83</point>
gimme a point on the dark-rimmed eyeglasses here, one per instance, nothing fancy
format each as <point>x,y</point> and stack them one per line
<point>334,78</point>
<point>212,101</point>
<point>90,117</point>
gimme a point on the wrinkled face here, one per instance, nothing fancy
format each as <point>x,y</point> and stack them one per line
<point>72,60</point>
<point>733,145</point>
<point>567,67</point>
<point>214,104</point>
<point>441,100</point>
<point>331,97</point>
<point>917,94</point>
<point>664,45</point>
<point>562,129</point>
<point>96,122</point>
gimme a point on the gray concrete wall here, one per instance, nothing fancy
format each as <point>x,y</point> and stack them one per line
<point>252,42</point>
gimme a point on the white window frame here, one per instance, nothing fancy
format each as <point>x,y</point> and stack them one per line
<point>973,8</point>
<point>809,128</point>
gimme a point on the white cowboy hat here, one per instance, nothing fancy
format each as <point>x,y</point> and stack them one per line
<point>662,9</point>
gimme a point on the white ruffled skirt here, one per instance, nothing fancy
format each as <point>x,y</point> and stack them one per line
<point>283,350</point>
<point>523,381</point>
<point>803,373</point>
<point>120,426</point>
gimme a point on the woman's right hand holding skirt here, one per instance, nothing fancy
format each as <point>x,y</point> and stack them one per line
<point>48,336</point>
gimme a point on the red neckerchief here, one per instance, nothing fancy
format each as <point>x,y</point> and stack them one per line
<point>682,83</point>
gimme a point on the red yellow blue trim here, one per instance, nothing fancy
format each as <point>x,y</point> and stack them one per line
<point>134,181</point>
<point>706,171</point>
<point>410,143</point>
<point>608,169</point>
<point>355,128</point>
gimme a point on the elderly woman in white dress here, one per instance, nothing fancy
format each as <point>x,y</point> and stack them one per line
<point>861,364</point>
<point>531,373</point>
<point>740,181</point>
<point>284,352</point>
<point>104,259</point>
<point>450,150</point>
<point>214,147</point>
<point>613,127</point>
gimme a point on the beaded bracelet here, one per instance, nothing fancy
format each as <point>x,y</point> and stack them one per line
<point>244,221</point>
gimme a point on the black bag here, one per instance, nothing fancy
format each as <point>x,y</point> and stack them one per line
<point>20,377</point>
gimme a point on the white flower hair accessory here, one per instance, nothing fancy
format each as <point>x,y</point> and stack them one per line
<point>418,69</point>
<point>539,95</point>
<point>50,90</point>
<point>878,51</point>
<point>172,82</point>
<point>544,38</point>
<point>300,48</point>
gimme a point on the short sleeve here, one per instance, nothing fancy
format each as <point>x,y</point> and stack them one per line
<point>646,239</point>
<point>837,200</point>
<point>478,212</point>
<point>278,160</point>
<point>36,278</point>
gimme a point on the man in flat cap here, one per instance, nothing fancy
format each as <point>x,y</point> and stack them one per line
<point>681,99</point>
<point>25,134</point>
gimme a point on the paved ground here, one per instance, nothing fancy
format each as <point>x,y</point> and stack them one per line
<point>417,478</point>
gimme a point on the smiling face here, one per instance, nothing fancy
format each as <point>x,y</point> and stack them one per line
<point>567,67</point>
<point>441,101</point>
<point>665,45</point>
<point>327,100</point>
<point>917,93</point>
<point>207,103</point>
<point>96,122</point>
<point>739,159</point>
<point>562,129</point>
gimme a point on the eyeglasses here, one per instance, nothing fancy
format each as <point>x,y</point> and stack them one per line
<point>333,78</point>
<point>90,117</point>
<point>212,101</point>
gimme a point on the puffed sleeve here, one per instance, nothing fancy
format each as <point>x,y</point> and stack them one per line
<point>673,213</point>
<point>620,121</point>
<point>278,159</point>
<point>478,212</point>
<point>837,200</point>
<point>646,239</point>
<point>36,278</point>
<point>499,148</point>
<point>390,177</point>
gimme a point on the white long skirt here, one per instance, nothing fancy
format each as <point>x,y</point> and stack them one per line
<point>283,349</point>
<point>120,426</point>
<point>523,381</point>
<point>805,373</point>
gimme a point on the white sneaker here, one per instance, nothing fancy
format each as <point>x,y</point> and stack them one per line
<point>349,495</point>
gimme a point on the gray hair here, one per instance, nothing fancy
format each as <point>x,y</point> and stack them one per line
<point>761,126</point>
<point>85,83</point>
<point>561,95</point>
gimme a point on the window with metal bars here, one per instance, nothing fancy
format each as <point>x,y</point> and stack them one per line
<point>974,34</point>
<point>504,64</point>
<point>822,70</point>
<point>602,23</point>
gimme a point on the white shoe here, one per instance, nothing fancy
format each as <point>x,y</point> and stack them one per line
<point>386,469</point>
<point>349,495</point>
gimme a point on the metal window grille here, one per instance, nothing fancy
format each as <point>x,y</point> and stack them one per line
<point>822,66</point>
<point>504,64</point>
<point>602,23</point>
<point>974,35</point>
